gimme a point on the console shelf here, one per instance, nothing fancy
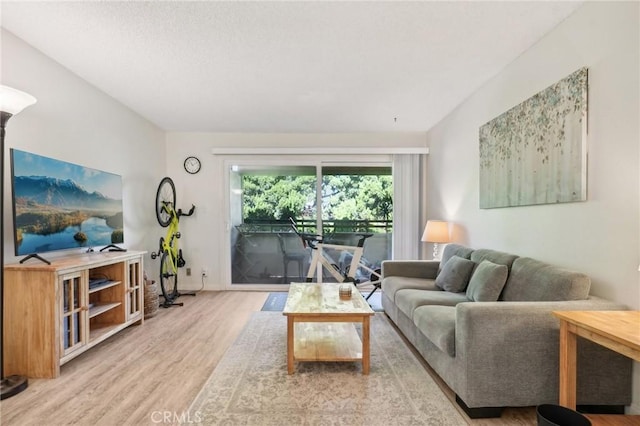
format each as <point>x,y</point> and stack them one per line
<point>51,315</point>
<point>103,286</point>
<point>101,308</point>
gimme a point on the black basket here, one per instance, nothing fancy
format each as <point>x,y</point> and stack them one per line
<point>557,415</point>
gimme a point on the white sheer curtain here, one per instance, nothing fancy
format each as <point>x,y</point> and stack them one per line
<point>407,189</point>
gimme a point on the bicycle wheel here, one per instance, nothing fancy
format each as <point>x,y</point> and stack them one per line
<point>168,278</point>
<point>165,196</point>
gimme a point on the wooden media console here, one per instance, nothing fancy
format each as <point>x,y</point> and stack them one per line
<point>54,312</point>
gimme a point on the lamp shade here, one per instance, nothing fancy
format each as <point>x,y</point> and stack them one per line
<point>13,101</point>
<point>436,231</point>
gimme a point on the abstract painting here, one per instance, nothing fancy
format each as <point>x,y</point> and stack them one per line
<point>535,153</point>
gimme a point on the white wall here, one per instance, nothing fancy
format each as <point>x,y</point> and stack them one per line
<point>601,236</point>
<point>75,122</point>
<point>205,240</point>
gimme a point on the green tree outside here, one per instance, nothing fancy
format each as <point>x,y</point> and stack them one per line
<point>344,197</point>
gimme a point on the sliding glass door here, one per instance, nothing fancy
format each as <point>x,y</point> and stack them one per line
<point>357,202</point>
<point>264,248</point>
<point>341,202</point>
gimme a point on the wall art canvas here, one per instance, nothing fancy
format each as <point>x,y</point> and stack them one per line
<point>536,152</point>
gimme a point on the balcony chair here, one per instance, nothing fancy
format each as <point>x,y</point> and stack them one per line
<point>293,250</point>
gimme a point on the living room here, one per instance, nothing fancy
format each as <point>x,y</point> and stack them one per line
<point>75,121</point>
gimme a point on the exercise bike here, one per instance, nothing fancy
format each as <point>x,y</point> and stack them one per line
<point>344,271</point>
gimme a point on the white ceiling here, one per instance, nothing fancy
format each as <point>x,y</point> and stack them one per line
<point>286,66</point>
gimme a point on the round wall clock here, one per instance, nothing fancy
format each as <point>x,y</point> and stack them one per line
<point>192,165</point>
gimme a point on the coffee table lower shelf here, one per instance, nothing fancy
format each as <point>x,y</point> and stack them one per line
<point>322,339</point>
<point>326,341</point>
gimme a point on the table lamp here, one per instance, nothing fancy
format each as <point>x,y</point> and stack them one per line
<point>436,231</point>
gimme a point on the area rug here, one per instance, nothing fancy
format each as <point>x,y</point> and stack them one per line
<point>250,385</point>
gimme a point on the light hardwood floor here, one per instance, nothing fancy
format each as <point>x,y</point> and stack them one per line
<point>159,367</point>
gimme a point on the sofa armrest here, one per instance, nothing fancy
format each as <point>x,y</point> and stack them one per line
<point>410,268</point>
<point>497,341</point>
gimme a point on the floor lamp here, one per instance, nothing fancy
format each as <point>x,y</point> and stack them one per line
<point>12,101</point>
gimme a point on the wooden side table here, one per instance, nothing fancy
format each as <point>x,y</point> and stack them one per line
<point>616,330</point>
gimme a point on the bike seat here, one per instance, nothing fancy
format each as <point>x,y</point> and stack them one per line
<point>362,238</point>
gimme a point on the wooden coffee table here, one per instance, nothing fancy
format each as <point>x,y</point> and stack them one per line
<point>321,326</point>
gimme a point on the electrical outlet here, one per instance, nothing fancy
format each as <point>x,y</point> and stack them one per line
<point>205,272</point>
<point>188,272</point>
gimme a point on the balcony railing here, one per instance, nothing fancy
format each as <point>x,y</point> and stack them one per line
<point>260,257</point>
<point>328,226</point>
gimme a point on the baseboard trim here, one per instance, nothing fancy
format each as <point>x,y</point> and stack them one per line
<point>479,412</point>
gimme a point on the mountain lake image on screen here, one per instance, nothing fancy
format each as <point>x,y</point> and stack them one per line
<point>59,205</point>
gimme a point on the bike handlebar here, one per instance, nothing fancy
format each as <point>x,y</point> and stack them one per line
<point>313,239</point>
<point>191,210</point>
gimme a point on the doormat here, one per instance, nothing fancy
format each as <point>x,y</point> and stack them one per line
<point>275,301</point>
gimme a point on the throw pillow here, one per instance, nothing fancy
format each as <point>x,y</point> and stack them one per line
<point>455,274</point>
<point>487,282</point>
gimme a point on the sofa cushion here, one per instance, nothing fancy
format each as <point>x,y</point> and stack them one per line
<point>532,280</point>
<point>455,274</point>
<point>438,324</point>
<point>390,285</point>
<point>451,250</point>
<point>408,300</point>
<point>494,256</point>
<point>487,282</point>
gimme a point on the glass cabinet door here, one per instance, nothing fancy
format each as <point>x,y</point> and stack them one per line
<point>73,331</point>
<point>134,289</point>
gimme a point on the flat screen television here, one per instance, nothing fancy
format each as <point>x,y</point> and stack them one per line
<point>59,205</point>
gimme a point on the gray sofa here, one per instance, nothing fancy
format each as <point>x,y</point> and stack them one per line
<point>491,335</point>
